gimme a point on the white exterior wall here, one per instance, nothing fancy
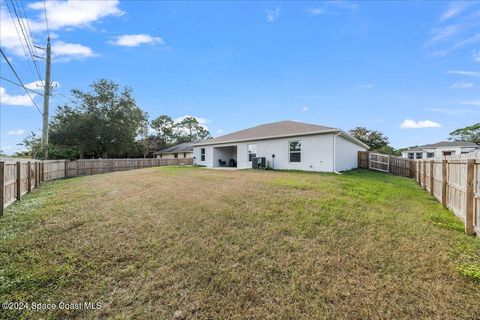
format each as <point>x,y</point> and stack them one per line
<point>317,153</point>
<point>180,155</point>
<point>346,154</point>
<point>438,152</point>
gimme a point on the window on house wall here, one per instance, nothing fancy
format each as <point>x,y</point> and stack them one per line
<point>430,154</point>
<point>202,154</point>
<point>161,156</point>
<point>184,155</point>
<point>175,155</point>
<point>252,151</point>
<point>419,155</point>
<point>465,152</point>
<point>447,153</point>
<point>295,151</point>
<point>411,155</point>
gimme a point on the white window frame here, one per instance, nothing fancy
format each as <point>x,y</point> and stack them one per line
<point>301,152</point>
<point>248,152</point>
<point>203,155</point>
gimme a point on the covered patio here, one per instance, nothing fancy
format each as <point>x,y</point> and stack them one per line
<point>225,157</point>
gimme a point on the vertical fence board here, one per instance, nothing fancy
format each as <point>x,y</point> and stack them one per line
<point>470,196</point>
<point>2,187</point>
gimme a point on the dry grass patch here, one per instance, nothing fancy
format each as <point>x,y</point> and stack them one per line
<point>238,244</point>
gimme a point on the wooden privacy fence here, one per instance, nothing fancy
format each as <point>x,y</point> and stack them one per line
<point>453,180</point>
<point>386,163</point>
<point>20,177</point>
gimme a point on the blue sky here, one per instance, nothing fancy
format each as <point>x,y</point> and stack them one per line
<point>408,69</point>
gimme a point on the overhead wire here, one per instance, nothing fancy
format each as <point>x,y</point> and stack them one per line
<point>20,39</point>
<point>19,85</point>
<point>20,80</point>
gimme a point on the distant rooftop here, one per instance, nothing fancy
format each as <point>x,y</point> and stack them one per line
<point>182,147</point>
<point>458,143</point>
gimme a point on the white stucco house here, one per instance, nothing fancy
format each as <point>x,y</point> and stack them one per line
<point>180,151</point>
<point>286,145</point>
<point>440,149</point>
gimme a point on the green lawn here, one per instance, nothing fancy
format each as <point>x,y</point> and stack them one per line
<point>211,244</point>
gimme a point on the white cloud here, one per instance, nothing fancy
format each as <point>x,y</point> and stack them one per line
<point>18,132</point>
<point>62,15</point>
<point>412,124</point>
<point>134,40</point>
<point>220,131</point>
<point>73,13</point>
<point>365,86</point>
<point>316,11</point>
<point>332,8</point>
<point>465,73</point>
<point>341,4</point>
<point>304,109</point>
<point>62,49</point>
<point>476,55</point>
<point>457,85</point>
<point>16,100</point>
<point>472,102</point>
<point>272,15</point>
<point>38,85</point>
<point>454,9</point>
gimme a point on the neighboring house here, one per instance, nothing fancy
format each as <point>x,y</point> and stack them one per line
<point>440,149</point>
<point>180,151</point>
<point>285,145</point>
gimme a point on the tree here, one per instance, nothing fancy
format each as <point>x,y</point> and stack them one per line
<point>376,140</point>
<point>32,145</point>
<point>103,122</point>
<point>190,130</point>
<point>164,127</point>
<point>469,133</point>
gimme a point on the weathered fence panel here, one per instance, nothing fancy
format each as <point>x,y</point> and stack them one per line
<point>387,163</point>
<point>454,181</point>
<point>20,176</point>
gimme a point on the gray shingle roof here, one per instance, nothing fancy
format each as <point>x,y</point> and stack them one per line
<point>441,144</point>
<point>274,130</point>
<point>182,147</point>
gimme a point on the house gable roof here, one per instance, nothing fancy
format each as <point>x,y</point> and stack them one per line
<point>277,130</point>
<point>443,144</point>
<point>182,147</point>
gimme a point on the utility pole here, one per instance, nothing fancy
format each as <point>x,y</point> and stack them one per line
<point>46,100</point>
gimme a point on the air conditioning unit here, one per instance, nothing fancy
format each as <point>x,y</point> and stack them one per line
<point>259,163</point>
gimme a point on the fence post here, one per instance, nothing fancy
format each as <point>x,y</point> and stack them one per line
<point>29,176</point>
<point>66,168</point>
<point>431,177</point>
<point>469,229</point>
<point>424,176</point>
<point>42,171</point>
<point>2,186</point>
<point>19,180</point>
<point>444,183</point>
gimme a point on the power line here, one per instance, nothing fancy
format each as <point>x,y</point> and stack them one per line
<point>19,80</point>
<point>19,85</point>
<point>27,39</point>
<point>59,93</point>
<point>32,43</point>
<point>20,39</point>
